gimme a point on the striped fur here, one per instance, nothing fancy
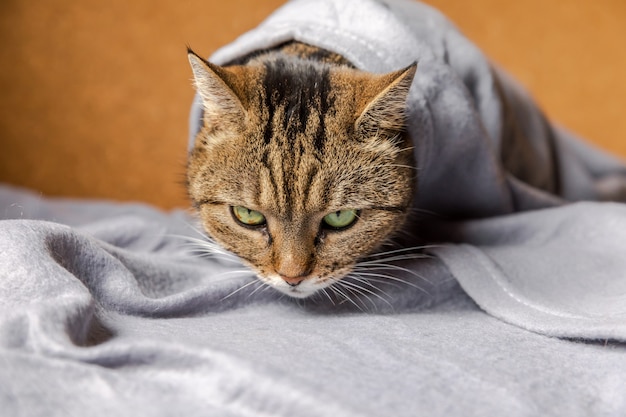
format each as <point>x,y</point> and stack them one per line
<point>297,133</point>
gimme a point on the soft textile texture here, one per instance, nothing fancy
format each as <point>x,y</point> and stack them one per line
<point>105,309</point>
<point>557,271</point>
<point>111,316</point>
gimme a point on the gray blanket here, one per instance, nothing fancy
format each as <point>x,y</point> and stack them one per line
<point>110,309</point>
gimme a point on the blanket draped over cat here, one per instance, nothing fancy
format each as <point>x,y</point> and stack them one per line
<point>117,309</point>
<point>476,132</point>
<point>483,151</point>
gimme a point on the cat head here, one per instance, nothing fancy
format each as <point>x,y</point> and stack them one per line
<point>301,168</point>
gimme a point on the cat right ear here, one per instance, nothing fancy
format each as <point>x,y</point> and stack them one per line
<point>384,114</point>
<point>215,85</point>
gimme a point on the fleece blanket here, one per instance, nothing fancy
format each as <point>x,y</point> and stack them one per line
<point>106,310</point>
<point>483,150</point>
<point>117,309</point>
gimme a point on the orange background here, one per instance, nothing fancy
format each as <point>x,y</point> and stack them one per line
<point>95,95</point>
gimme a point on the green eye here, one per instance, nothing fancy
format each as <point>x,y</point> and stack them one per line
<point>248,217</point>
<point>340,219</point>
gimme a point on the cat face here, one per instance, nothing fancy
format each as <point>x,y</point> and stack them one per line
<point>300,168</point>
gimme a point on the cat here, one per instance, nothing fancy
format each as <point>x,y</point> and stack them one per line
<point>301,167</point>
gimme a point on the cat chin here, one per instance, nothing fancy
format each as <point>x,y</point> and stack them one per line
<point>295,292</point>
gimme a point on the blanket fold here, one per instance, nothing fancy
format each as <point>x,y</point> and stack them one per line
<point>518,268</point>
<point>139,324</point>
<point>484,150</point>
<point>116,309</point>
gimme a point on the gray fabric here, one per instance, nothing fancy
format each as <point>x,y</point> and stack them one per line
<point>462,114</point>
<point>113,316</point>
<point>106,309</point>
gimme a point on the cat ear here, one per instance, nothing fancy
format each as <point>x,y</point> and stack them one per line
<point>215,85</point>
<point>384,114</point>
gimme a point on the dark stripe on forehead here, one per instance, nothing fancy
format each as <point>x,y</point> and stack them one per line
<point>281,181</point>
<point>268,130</point>
<point>327,102</point>
<point>308,183</point>
<point>302,89</point>
<point>266,163</point>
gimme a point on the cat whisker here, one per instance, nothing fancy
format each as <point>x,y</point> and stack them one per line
<point>386,278</point>
<point>412,248</point>
<point>236,271</point>
<point>205,241</point>
<point>392,278</point>
<point>262,285</point>
<point>359,295</point>
<point>325,292</point>
<point>196,227</point>
<point>404,166</point>
<point>266,287</point>
<point>237,274</point>
<point>428,212</point>
<point>391,267</point>
<point>199,231</point>
<point>217,256</point>
<point>409,148</point>
<point>373,292</point>
<point>207,248</point>
<point>346,298</point>
<point>204,238</point>
<point>239,289</point>
<point>374,168</point>
<point>211,247</point>
<point>388,243</point>
<point>403,257</point>
<point>380,280</point>
<point>356,277</point>
<point>407,233</point>
<point>363,291</point>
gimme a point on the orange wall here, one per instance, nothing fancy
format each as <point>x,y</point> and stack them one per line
<point>95,95</point>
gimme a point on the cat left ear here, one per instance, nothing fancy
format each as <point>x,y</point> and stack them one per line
<point>384,115</point>
<point>215,85</point>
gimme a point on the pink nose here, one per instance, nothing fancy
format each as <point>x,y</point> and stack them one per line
<point>292,281</point>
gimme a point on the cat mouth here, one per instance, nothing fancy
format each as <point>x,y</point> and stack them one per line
<point>302,289</point>
<point>297,293</point>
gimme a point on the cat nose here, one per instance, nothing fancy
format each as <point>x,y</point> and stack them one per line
<point>292,268</point>
<point>292,281</point>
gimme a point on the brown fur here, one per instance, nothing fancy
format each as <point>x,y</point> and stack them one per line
<point>297,138</point>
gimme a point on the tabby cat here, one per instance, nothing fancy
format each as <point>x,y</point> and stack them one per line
<point>301,167</point>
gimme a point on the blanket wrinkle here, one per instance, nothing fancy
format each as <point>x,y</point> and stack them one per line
<point>520,307</point>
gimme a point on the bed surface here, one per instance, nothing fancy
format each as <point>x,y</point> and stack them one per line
<point>112,315</point>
